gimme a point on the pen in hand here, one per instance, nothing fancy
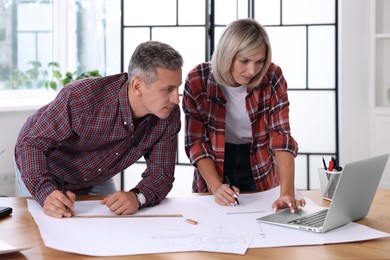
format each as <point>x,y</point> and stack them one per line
<point>63,189</point>
<point>231,187</point>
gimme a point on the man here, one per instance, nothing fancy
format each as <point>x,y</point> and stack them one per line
<point>97,127</point>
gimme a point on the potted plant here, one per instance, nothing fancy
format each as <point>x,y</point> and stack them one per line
<point>60,80</point>
<point>37,77</point>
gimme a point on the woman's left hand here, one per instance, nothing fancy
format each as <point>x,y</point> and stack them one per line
<point>287,201</point>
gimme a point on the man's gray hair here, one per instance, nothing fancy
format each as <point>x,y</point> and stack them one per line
<point>149,56</point>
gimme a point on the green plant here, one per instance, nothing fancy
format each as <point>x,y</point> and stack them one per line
<point>61,80</point>
<point>36,76</point>
<point>33,77</point>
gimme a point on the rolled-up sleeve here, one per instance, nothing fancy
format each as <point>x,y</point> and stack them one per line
<point>279,125</point>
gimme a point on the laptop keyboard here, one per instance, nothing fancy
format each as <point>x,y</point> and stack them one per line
<point>313,220</point>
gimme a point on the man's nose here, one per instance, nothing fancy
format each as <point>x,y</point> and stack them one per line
<point>175,97</point>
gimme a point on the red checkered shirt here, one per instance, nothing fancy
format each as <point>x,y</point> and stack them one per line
<point>268,109</point>
<point>87,136</point>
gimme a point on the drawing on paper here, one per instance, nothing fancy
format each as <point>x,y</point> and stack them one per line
<point>222,240</point>
<point>261,232</point>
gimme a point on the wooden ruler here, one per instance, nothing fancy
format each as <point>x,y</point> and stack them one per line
<point>132,216</point>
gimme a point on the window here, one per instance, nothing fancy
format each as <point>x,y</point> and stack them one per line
<point>25,40</point>
<point>303,36</point>
<point>80,35</point>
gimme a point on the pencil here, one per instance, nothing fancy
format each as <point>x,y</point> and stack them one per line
<point>63,188</point>
<point>231,187</point>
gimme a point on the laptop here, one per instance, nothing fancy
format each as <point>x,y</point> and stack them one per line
<point>351,201</point>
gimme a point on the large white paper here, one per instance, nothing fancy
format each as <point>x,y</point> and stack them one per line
<point>7,249</point>
<point>259,202</point>
<point>215,232</point>
<point>127,236</point>
<point>249,203</point>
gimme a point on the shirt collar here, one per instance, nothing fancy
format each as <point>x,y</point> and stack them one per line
<point>213,90</point>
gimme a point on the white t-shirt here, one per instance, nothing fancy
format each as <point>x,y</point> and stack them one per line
<point>238,126</point>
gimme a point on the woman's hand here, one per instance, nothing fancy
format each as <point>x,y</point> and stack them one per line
<point>226,196</point>
<point>287,201</point>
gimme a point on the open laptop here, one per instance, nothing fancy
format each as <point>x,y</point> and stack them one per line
<point>351,201</point>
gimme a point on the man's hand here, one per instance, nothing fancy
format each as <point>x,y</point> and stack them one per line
<point>60,205</point>
<point>287,201</point>
<point>122,203</point>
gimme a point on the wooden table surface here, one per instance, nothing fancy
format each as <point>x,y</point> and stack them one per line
<point>20,230</point>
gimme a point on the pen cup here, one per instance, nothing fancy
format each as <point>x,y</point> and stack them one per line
<point>328,182</point>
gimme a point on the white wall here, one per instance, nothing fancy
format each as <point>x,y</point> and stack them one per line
<point>10,123</point>
<point>353,79</point>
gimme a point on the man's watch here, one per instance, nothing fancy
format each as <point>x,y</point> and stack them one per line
<point>141,197</point>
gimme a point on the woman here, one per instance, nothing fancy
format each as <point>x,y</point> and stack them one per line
<point>237,124</point>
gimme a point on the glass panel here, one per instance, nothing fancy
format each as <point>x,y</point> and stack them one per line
<point>289,52</point>
<point>193,51</point>
<point>382,17</point>
<point>149,12</point>
<point>91,40</point>
<point>87,38</point>
<point>112,37</point>
<point>44,48</point>
<point>217,33</point>
<point>315,164</point>
<point>34,16</point>
<point>312,120</point>
<point>308,12</point>
<point>181,150</point>
<point>267,12</point>
<point>226,11</point>
<point>98,36</point>
<point>26,50</point>
<point>133,175</point>
<point>25,37</point>
<point>183,180</point>
<point>382,77</point>
<point>322,57</point>
<point>242,9</point>
<point>132,38</point>
<point>181,185</point>
<point>301,172</point>
<point>192,12</point>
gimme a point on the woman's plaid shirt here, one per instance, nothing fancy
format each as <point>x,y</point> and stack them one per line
<point>268,109</point>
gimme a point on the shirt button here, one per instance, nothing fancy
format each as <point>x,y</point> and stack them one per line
<point>85,179</point>
<point>116,154</point>
<point>125,123</point>
<point>99,169</point>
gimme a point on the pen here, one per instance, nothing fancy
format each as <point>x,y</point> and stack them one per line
<point>331,165</point>
<point>63,188</point>
<point>231,187</point>
<point>324,163</point>
<point>337,167</point>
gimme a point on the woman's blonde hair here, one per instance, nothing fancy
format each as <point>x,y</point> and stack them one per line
<point>240,38</point>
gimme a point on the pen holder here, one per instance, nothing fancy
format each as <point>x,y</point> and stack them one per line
<point>328,182</point>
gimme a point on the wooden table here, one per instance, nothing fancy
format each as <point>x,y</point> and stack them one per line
<point>20,230</point>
